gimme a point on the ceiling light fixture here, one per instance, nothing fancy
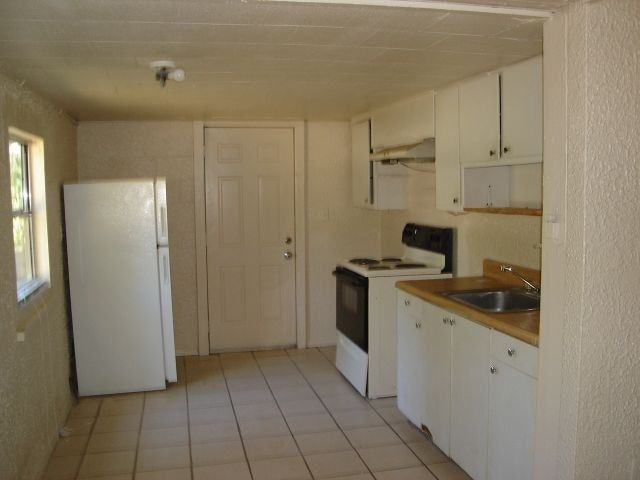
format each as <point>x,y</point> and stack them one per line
<point>166,70</point>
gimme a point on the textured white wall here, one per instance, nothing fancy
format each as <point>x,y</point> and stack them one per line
<point>335,229</point>
<point>149,149</point>
<point>589,380</point>
<point>511,238</point>
<point>34,375</point>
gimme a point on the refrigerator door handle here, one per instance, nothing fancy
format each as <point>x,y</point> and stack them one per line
<point>165,269</point>
<point>163,221</point>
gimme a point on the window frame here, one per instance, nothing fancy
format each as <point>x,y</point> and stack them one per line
<point>39,275</point>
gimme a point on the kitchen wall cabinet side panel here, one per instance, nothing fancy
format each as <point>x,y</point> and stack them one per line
<point>360,148</point>
<point>447,120</point>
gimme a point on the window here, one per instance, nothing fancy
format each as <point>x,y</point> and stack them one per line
<point>22,216</point>
<point>30,241</point>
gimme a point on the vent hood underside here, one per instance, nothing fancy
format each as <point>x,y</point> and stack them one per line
<point>424,151</point>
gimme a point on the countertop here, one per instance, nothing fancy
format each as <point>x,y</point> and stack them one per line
<point>524,326</point>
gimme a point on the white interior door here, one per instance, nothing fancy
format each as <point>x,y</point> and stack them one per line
<point>249,176</point>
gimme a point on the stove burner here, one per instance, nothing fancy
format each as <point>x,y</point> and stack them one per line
<point>378,267</point>
<point>364,261</point>
<point>410,265</point>
<point>391,260</point>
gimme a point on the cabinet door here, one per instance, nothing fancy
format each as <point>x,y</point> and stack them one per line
<point>511,423</point>
<point>410,360</point>
<point>360,165</point>
<point>469,396</point>
<point>480,119</point>
<point>447,150</point>
<point>522,110</point>
<point>403,123</point>
<point>437,374</point>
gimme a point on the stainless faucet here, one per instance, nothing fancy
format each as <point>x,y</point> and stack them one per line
<point>527,283</point>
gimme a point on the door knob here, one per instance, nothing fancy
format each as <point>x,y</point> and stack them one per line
<point>288,255</point>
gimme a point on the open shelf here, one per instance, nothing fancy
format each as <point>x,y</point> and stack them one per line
<point>534,212</point>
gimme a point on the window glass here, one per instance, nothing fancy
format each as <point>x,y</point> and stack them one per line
<point>22,215</point>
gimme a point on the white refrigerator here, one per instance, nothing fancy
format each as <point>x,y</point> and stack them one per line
<point>120,282</point>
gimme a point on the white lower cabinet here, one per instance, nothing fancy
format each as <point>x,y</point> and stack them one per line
<point>411,339</point>
<point>512,408</point>
<point>436,374</point>
<point>470,345</point>
<point>472,387</point>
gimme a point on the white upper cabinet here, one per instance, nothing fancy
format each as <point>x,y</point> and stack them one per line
<point>360,166</point>
<point>489,140</point>
<point>447,150</point>
<point>403,123</point>
<point>480,119</point>
<point>522,110</point>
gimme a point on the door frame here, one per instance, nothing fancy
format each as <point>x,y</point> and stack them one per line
<point>300,229</point>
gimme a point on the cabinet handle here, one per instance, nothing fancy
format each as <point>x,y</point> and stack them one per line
<point>407,302</point>
<point>452,322</point>
<point>455,199</point>
<point>493,370</point>
<point>511,351</point>
<point>506,149</point>
<point>418,324</point>
<point>445,320</point>
<point>492,153</point>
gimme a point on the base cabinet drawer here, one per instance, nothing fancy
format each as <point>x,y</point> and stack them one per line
<point>515,353</point>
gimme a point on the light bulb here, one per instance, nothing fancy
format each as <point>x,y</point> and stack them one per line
<point>178,75</point>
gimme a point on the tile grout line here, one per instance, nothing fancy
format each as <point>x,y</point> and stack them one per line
<point>331,414</point>
<point>135,459</point>
<point>388,424</point>
<point>275,400</point>
<point>86,447</point>
<point>186,395</point>
<point>235,416</point>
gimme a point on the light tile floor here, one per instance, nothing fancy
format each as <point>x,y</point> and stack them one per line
<point>272,415</point>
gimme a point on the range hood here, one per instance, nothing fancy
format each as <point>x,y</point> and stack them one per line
<point>424,151</point>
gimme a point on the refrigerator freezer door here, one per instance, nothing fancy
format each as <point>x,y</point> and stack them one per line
<point>167,315</point>
<point>115,295</point>
<point>161,212</point>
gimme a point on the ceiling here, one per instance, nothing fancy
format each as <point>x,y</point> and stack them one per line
<point>257,59</point>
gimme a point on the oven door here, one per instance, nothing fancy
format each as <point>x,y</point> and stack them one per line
<point>352,306</point>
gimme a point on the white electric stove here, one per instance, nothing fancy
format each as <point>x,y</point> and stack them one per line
<point>366,352</point>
